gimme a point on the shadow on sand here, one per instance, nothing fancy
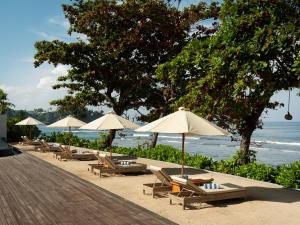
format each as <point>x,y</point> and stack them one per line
<point>270,194</point>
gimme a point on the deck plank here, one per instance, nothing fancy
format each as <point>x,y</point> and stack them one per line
<point>33,191</point>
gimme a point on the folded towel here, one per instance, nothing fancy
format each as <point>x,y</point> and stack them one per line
<point>125,163</point>
<point>210,186</point>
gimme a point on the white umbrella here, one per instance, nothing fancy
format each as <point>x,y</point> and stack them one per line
<point>29,121</point>
<point>67,122</point>
<point>186,123</point>
<point>110,121</point>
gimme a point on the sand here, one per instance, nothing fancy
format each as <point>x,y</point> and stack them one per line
<point>266,204</point>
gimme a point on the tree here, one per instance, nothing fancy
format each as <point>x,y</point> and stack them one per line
<point>4,103</point>
<point>233,74</point>
<point>125,42</point>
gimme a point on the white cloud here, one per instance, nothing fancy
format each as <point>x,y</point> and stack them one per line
<point>38,93</point>
<point>46,82</point>
<point>60,70</point>
<point>60,21</point>
<point>47,36</point>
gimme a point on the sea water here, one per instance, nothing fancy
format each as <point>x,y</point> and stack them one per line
<point>277,143</point>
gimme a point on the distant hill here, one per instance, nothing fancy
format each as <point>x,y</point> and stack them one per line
<point>48,117</point>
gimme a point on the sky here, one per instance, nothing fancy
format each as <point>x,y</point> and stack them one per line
<point>23,23</point>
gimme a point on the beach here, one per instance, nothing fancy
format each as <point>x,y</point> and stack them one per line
<point>267,204</point>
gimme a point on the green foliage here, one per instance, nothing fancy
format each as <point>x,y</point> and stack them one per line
<point>229,166</point>
<point>64,138</point>
<point>4,103</point>
<point>14,132</point>
<point>125,41</point>
<point>232,75</point>
<point>289,175</point>
<point>257,172</point>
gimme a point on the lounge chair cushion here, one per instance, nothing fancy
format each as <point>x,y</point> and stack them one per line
<point>154,168</point>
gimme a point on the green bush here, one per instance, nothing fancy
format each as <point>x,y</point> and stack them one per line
<point>226,166</point>
<point>289,175</point>
<point>257,171</point>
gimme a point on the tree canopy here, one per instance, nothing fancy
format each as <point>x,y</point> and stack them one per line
<point>125,42</point>
<point>232,75</point>
<point>4,103</point>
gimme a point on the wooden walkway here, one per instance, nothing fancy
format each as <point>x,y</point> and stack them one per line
<point>35,192</point>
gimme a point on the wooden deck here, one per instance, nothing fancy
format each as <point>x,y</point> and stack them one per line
<point>35,192</point>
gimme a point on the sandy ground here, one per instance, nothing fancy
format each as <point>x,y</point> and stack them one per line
<point>266,204</point>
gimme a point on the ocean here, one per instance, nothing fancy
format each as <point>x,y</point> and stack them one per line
<point>276,144</point>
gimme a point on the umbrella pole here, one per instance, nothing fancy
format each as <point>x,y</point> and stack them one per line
<point>69,138</point>
<point>110,143</point>
<point>30,132</point>
<point>182,154</point>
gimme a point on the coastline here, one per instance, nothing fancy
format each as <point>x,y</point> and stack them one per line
<point>267,203</point>
<point>276,144</point>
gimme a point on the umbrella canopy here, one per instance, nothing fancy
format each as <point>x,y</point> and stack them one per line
<point>69,122</point>
<point>29,122</point>
<point>186,123</point>
<point>183,122</point>
<point>110,121</point>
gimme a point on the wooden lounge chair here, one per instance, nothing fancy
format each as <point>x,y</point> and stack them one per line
<point>111,167</point>
<point>74,155</point>
<point>116,159</point>
<point>94,166</point>
<point>62,150</point>
<point>63,153</point>
<point>192,193</point>
<point>166,183</point>
<point>27,141</point>
<point>45,147</point>
<point>162,184</point>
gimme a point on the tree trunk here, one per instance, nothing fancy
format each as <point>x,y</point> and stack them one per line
<point>244,147</point>
<point>154,140</point>
<point>250,125</point>
<point>155,135</point>
<point>110,137</point>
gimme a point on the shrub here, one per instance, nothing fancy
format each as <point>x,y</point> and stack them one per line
<point>226,166</point>
<point>257,171</point>
<point>289,175</point>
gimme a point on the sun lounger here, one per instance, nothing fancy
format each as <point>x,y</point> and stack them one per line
<point>45,147</point>
<point>116,159</point>
<point>191,193</point>
<point>27,141</point>
<point>94,166</point>
<point>165,185</point>
<point>162,184</point>
<point>74,155</point>
<point>111,167</point>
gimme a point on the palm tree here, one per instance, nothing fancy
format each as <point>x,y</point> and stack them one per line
<point>4,103</point>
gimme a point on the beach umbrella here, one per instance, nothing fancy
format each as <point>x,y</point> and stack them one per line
<point>29,121</point>
<point>110,121</point>
<point>185,123</point>
<point>68,122</point>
